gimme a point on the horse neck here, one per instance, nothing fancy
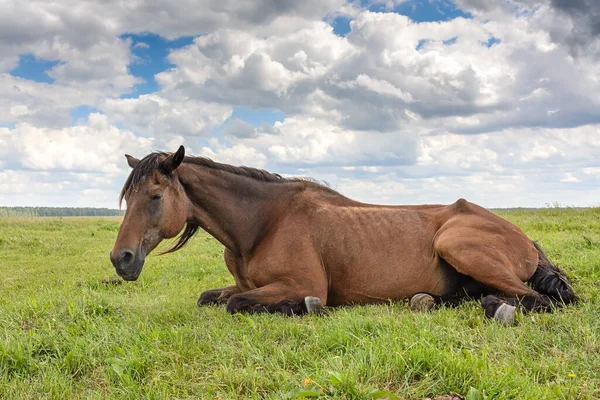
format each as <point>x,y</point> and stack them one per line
<point>234,209</point>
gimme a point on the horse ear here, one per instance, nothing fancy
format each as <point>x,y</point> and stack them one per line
<point>132,161</point>
<point>173,161</point>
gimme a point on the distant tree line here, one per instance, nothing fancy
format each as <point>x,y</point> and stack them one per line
<point>57,212</point>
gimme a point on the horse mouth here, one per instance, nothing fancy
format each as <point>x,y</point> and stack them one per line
<point>132,271</point>
<point>130,277</point>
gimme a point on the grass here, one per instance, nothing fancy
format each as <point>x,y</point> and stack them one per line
<point>68,330</point>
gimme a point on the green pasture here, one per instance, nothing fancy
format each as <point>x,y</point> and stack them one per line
<point>69,329</point>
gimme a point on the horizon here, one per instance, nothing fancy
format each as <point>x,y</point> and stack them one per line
<point>391,102</point>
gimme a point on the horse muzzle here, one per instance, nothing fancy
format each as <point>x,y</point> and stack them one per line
<point>128,264</point>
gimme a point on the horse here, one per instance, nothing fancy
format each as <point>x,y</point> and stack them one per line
<point>295,246</point>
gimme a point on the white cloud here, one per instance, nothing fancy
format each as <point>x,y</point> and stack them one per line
<point>75,166</point>
<point>157,116</point>
<point>235,67</point>
<point>18,110</point>
<point>375,77</point>
<point>41,104</point>
<point>300,141</point>
<point>569,177</point>
<point>237,155</point>
<point>238,128</point>
<point>94,147</point>
<point>35,188</point>
<point>141,45</point>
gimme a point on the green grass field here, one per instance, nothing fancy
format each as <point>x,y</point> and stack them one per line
<point>67,330</point>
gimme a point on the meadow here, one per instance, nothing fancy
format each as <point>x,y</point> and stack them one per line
<point>70,329</point>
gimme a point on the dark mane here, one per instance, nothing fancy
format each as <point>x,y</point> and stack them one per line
<point>254,173</point>
<point>152,161</point>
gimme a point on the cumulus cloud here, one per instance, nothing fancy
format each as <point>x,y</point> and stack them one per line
<point>84,38</point>
<point>191,18</point>
<point>40,103</point>
<point>572,23</point>
<point>94,147</point>
<point>160,117</point>
<point>75,166</point>
<point>388,70</point>
<point>69,189</point>
<point>238,128</point>
<point>85,44</point>
<point>512,149</point>
<point>238,154</point>
<point>236,67</point>
<point>307,141</point>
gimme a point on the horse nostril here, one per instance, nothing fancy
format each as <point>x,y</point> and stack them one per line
<point>126,257</point>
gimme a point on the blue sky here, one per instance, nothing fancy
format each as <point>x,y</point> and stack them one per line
<point>415,101</point>
<point>425,10</point>
<point>151,53</point>
<point>33,68</point>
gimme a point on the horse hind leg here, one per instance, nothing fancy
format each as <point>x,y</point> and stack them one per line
<point>551,284</point>
<point>469,289</point>
<point>492,269</point>
<point>504,309</point>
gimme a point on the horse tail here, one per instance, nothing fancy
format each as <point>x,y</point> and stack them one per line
<point>548,279</point>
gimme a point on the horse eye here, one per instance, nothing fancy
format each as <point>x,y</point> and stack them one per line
<point>156,197</point>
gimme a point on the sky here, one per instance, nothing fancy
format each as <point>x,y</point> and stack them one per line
<point>394,102</point>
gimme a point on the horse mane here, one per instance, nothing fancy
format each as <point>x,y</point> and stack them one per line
<point>152,161</point>
<point>254,173</point>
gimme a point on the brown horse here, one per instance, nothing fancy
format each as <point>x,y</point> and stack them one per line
<point>293,245</point>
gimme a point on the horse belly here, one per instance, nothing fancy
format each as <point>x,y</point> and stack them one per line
<point>375,263</point>
<point>381,282</point>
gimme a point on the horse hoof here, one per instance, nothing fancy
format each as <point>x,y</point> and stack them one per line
<point>505,314</point>
<point>422,302</point>
<point>314,305</point>
<point>208,298</point>
<point>498,309</point>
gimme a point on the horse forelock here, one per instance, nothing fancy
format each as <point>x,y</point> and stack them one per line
<point>145,167</point>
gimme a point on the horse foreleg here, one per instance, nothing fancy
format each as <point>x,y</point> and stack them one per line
<point>217,296</point>
<point>220,296</point>
<point>277,297</point>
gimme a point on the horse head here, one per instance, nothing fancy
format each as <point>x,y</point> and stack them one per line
<point>156,210</point>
